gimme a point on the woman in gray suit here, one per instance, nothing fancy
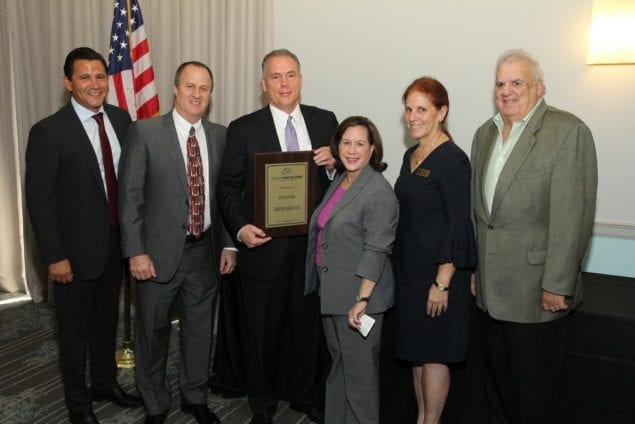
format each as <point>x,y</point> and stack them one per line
<point>348,261</point>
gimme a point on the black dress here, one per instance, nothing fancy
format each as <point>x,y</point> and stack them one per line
<point>434,228</point>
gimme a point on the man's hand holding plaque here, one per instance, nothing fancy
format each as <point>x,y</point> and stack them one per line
<point>323,157</point>
<point>252,236</point>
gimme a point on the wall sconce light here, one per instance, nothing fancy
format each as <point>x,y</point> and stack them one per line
<point>612,34</point>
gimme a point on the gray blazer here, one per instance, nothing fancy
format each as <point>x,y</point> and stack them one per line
<point>542,216</point>
<point>153,193</point>
<point>356,243</point>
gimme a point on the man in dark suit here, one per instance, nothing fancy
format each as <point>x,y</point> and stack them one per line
<point>70,178</point>
<point>173,235</point>
<point>272,269</point>
<point>534,189</point>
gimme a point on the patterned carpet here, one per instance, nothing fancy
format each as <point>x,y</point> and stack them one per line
<point>31,387</point>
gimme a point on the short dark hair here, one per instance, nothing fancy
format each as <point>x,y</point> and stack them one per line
<point>81,53</point>
<point>183,65</point>
<point>278,53</point>
<point>373,138</point>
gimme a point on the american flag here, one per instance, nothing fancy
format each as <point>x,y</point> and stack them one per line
<point>130,73</point>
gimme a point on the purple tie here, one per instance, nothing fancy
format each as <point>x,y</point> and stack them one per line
<point>291,137</point>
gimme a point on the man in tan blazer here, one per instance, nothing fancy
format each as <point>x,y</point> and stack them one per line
<point>534,190</point>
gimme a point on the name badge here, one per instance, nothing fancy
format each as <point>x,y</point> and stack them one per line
<point>422,172</point>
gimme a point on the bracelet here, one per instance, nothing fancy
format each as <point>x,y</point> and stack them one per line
<point>441,287</point>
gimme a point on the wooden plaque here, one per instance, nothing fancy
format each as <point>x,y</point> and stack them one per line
<point>284,196</point>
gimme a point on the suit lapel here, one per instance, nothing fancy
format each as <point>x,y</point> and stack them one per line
<point>311,125</point>
<point>212,157</point>
<point>268,135</point>
<point>353,191</point>
<point>170,140</point>
<point>116,124</point>
<point>481,166</point>
<point>82,141</point>
<point>519,154</point>
<point>212,154</point>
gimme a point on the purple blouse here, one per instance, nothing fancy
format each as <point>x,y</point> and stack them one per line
<point>324,215</point>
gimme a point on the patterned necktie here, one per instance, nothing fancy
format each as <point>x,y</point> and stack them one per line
<point>291,138</point>
<point>196,184</point>
<point>109,171</point>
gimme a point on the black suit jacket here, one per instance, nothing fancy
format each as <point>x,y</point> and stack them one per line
<point>247,135</point>
<point>65,193</point>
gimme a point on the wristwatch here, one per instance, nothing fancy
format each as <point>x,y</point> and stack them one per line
<point>440,287</point>
<point>359,298</point>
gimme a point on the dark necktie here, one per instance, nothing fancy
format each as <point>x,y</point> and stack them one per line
<point>291,138</point>
<point>109,171</point>
<point>196,185</point>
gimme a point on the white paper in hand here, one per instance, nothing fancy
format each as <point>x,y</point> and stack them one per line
<point>367,325</point>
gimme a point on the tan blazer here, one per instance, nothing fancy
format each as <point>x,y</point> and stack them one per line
<point>542,216</point>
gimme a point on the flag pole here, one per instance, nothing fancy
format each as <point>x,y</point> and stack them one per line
<point>124,357</point>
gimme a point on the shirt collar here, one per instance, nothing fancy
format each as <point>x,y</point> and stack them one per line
<point>498,119</point>
<point>83,113</point>
<point>182,124</point>
<point>279,114</point>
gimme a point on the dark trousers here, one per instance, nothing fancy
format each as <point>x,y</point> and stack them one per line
<point>523,368</point>
<point>87,313</point>
<point>284,331</point>
<point>191,291</point>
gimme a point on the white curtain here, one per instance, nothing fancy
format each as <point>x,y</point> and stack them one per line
<point>231,36</point>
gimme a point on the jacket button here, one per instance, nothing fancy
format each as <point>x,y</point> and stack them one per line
<point>323,246</point>
<point>490,227</point>
<point>324,269</point>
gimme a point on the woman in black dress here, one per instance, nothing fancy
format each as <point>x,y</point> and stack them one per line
<point>434,250</point>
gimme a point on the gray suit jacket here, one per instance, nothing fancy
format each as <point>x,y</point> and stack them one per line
<point>356,243</point>
<point>153,193</point>
<point>542,216</point>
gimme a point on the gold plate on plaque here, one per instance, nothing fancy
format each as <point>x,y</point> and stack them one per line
<point>284,192</point>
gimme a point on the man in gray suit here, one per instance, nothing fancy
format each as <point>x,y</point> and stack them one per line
<point>172,232</point>
<point>534,189</point>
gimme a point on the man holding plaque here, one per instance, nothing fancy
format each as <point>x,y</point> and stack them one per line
<point>272,268</point>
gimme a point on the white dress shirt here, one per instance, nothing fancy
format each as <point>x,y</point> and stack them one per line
<point>92,130</point>
<point>304,141</point>
<point>500,153</point>
<point>280,122</point>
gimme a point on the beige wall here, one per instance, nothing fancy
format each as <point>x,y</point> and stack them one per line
<point>359,55</point>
